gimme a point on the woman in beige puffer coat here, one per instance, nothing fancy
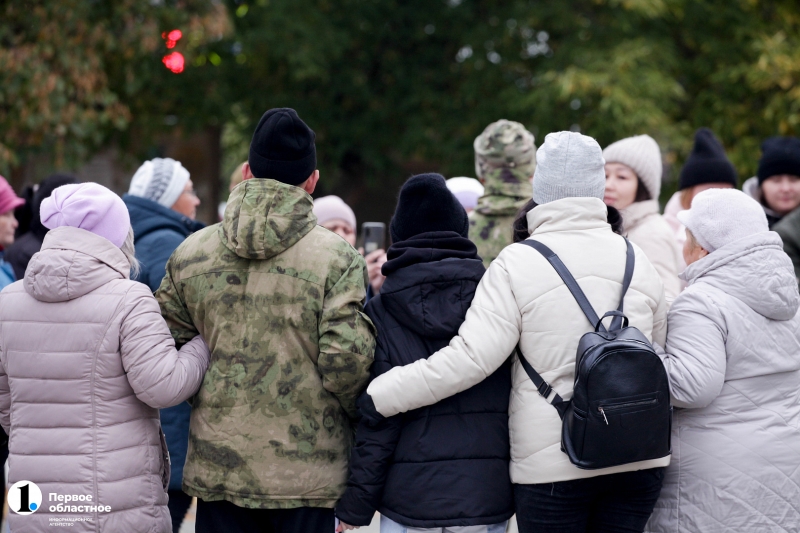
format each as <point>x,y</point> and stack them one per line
<point>633,184</point>
<point>86,361</point>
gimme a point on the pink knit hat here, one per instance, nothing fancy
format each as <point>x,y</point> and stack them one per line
<point>332,207</point>
<point>8,198</point>
<point>87,206</point>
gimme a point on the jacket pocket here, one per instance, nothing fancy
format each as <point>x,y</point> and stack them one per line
<point>166,465</point>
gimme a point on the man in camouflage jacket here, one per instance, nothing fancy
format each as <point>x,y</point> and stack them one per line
<point>278,299</point>
<point>505,158</point>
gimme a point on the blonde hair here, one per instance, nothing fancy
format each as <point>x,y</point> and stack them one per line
<point>130,254</point>
<point>687,195</point>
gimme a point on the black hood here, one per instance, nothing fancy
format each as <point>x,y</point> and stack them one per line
<point>430,282</point>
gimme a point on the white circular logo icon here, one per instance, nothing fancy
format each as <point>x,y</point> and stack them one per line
<point>24,497</point>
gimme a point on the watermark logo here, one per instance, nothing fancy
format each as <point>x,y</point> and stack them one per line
<point>24,497</point>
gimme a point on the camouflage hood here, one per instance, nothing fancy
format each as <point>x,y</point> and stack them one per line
<point>506,191</point>
<point>264,218</point>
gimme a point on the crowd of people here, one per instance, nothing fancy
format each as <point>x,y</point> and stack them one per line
<point>292,382</point>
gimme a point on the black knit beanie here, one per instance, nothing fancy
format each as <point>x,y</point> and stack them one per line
<point>283,148</point>
<point>779,155</point>
<point>707,163</point>
<point>46,188</point>
<point>426,204</point>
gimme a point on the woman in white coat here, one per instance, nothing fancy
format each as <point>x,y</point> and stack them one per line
<point>522,300</point>
<point>733,360</point>
<point>633,184</point>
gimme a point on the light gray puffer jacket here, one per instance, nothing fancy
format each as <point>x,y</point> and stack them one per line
<point>733,358</point>
<point>85,362</point>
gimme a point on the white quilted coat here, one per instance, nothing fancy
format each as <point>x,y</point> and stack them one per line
<point>734,365</point>
<point>522,299</point>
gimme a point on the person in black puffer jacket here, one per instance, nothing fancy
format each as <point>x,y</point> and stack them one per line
<point>443,466</point>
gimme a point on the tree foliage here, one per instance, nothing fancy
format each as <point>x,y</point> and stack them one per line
<point>75,73</point>
<point>394,87</point>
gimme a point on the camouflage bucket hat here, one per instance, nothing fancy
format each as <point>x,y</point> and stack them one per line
<point>505,144</point>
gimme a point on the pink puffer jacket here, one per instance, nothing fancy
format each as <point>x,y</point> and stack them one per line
<point>86,361</point>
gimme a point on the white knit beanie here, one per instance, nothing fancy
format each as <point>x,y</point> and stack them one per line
<point>722,216</point>
<point>643,155</point>
<point>466,190</point>
<point>568,164</point>
<point>160,180</point>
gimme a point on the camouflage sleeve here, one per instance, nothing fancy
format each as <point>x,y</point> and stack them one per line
<point>790,245</point>
<point>346,337</point>
<point>173,308</point>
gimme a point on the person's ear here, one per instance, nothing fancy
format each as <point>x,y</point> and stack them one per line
<point>246,173</point>
<point>311,183</point>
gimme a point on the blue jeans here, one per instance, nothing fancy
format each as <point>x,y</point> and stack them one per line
<point>390,526</point>
<point>614,503</point>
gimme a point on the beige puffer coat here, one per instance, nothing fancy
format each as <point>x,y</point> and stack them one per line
<point>86,361</point>
<point>645,227</point>
<point>521,299</point>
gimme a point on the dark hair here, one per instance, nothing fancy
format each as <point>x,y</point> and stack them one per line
<point>520,226</point>
<point>642,194</point>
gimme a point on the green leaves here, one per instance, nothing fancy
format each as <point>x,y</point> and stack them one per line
<point>394,87</point>
<point>76,73</point>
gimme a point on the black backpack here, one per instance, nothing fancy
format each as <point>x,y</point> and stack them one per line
<point>620,410</point>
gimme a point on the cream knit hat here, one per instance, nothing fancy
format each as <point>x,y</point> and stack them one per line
<point>643,155</point>
<point>722,216</point>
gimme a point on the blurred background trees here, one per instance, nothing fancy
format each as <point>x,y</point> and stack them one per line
<point>392,87</point>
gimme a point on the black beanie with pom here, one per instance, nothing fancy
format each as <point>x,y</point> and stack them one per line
<point>707,163</point>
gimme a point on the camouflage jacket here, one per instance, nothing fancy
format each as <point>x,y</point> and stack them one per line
<point>279,301</point>
<point>490,224</point>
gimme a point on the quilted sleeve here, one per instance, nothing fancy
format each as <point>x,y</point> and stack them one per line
<point>160,375</point>
<point>488,335</point>
<point>695,351</point>
<point>5,393</point>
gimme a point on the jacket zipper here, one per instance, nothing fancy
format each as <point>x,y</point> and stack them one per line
<point>614,407</point>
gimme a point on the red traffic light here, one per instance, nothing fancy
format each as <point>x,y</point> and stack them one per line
<point>172,37</point>
<point>174,62</point>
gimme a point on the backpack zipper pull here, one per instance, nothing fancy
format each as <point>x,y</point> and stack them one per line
<point>602,412</point>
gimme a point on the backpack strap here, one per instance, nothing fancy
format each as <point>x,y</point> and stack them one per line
<point>630,261</point>
<point>542,386</point>
<point>570,282</point>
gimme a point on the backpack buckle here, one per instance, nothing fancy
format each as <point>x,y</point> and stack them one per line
<point>544,389</point>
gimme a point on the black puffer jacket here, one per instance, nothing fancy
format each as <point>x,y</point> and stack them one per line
<point>447,464</point>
